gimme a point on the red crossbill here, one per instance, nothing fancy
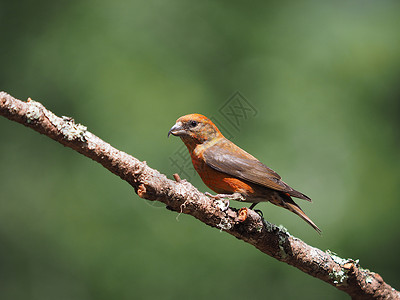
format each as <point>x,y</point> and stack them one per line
<point>227,169</point>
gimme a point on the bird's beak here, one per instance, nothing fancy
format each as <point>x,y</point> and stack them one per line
<point>177,129</point>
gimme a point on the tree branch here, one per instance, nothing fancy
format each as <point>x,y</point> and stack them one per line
<point>181,196</point>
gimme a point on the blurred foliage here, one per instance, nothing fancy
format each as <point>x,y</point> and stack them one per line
<point>323,78</point>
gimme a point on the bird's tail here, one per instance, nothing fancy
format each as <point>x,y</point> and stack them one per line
<point>289,204</point>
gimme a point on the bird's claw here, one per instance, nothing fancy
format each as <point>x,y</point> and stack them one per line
<point>238,197</point>
<point>211,195</point>
<point>259,212</point>
<point>234,196</point>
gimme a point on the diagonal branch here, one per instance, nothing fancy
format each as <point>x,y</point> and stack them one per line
<point>181,196</point>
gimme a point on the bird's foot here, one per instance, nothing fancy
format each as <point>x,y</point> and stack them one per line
<point>234,196</point>
<point>243,213</point>
<point>222,200</point>
<point>256,210</point>
<point>259,212</point>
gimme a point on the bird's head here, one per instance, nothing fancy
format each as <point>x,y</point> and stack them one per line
<point>195,128</point>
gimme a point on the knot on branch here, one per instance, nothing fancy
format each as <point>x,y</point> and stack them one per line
<point>141,191</point>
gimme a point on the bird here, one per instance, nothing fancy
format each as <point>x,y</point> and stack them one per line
<point>232,172</point>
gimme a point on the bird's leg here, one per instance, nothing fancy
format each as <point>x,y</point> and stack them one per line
<point>256,210</point>
<point>252,206</point>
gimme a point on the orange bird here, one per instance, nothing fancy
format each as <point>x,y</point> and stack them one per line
<point>232,172</point>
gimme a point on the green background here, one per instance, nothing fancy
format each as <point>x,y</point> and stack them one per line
<point>323,78</point>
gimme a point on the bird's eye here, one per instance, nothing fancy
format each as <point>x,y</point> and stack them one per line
<point>193,124</point>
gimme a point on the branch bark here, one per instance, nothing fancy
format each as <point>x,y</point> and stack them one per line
<point>181,196</point>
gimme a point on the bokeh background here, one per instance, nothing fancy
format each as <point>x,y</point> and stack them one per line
<point>322,78</point>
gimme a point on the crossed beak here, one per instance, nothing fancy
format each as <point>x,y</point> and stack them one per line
<point>176,130</point>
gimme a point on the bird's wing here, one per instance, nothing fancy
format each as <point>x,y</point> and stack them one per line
<point>228,158</point>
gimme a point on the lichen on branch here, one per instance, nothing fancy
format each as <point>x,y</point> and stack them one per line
<point>182,197</point>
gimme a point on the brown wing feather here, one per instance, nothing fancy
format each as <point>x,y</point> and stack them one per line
<point>225,156</point>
